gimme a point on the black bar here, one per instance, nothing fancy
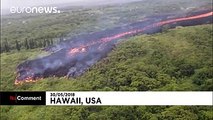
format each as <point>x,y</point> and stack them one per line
<point>23,98</point>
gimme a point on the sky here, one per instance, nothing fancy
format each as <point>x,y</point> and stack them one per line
<point>6,4</point>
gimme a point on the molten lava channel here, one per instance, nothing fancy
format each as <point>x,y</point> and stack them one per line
<point>76,60</point>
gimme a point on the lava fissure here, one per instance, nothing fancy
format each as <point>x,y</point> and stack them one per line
<point>73,57</point>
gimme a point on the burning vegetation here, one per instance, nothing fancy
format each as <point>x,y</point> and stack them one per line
<point>75,56</point>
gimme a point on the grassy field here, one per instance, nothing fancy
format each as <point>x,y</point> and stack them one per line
<point>178,59</point>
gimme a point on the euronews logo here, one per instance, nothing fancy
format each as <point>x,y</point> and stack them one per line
<point>30,10</point>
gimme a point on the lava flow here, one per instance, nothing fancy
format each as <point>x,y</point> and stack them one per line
<point>75,56</point>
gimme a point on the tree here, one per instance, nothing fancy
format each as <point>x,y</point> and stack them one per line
<point>6,46</point>
<point>18,46</point>
<point>1,49</point>
<point>178,113</point>
<point>31,43</point>
<point>44,43</point>
<point>40,43</point>
<point>26,44</point>
<point>48,42</point>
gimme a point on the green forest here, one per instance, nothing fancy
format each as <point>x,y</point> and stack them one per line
<point>179,59</point>
<point>30,31</point>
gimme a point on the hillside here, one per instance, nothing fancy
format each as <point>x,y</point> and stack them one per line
<point>178,59</point>
<point>77,20</point>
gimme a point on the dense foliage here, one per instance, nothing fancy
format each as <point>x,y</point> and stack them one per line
<point>178,59</point>
<point>40,30</point>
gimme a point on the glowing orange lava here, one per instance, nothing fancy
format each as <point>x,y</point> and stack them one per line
<point>77,50</point>
<point>27,80</point>
<point>184,19</point>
